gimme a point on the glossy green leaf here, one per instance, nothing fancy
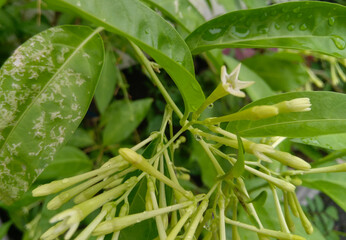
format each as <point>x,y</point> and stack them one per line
<point>46,88</point>
<point>81,138</point>
<point>316,26</point>
<point>208,172</point>
<point>258,90</point>
<point>122,118</point>
<point>332,184</point>
<point>145,230</point>
<point>4,227</point>
<point>260,199</point>
<point>327,116</point>
<point>281,71</point>
<point>238,168</point>
<point>332,141</point>
<point>135,21</point>
<point>181,11</point>
<point>68,162</point>
<point>108,79</point>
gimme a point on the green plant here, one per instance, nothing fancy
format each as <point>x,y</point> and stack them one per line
<point>245,156</point>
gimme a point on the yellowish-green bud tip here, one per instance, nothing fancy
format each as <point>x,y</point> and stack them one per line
<point>295,105</point>
<point>130,155</point>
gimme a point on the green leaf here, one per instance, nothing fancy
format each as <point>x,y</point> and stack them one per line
<point>238,168</point>
<point>331,141</point>
<point>260,199</point>
<point>327,116</point>
<point>122,118</point>
<point>2,3</point>
<point>4,229</point>
<point>81,138</point>
<point>280,71</point>
<point>230,6</point>
<point>68,162</point>
<point>181,11</point>
<point>46,88</point>
<point>208,172</point>
<point>135,21</point>
<point>108,79</point>
<point>332,212</point>
<point>257,91</point>
<point>332,184</point>
<point>145,230</point>
<point>316,26</point>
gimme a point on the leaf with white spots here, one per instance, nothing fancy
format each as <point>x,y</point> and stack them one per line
<point>46,87</point>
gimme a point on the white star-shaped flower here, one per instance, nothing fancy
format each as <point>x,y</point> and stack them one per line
<point>232,84</point>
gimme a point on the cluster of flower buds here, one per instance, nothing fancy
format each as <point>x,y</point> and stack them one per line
<point>186,215</point>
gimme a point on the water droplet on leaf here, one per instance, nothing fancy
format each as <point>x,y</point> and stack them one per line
<point>198,138</point>
<point>291,27</point>
<point>211,105</point>
<point>331,21</point>
<point>262,29</point>
<point>277,26</point>
<point>240,31</point>
<point>296,10</point>
<point>339,42</point>
<point>303,27</point>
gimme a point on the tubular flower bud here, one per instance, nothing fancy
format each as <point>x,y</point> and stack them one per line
<point>295,105</point>
<point>253,113</point>
<point>141,163</point>
<point>289,160</point>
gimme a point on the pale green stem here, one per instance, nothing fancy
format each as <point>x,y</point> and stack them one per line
<point>288,218</point>
<point>281,217</point>
<point>222,226</point>
<point>211,156</point>
<point>146,63</point>
<point>179,225</point>
<point>90,192</point>
<point>193,225</point>
<point>162,194</point>
<point>84,235</point>
<point>235,234</point>
<point>252,209</point>
<point>266,232</point>
<point>118,223</point>
<point>159,222</point>
<point>334,168</point>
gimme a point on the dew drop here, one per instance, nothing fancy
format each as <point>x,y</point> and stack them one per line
<point>198,138</point>
<point>240,31</point>
<point>291,27</point>
<point>287,17</point>
<point>303,27</point>
<point>211,105</point>
<point>147,31</point>
<point>331,21</point>
<point>296,10</point>
<point>277,26</point>
<point>262,29</point>
<point>339,42</point>
<point>214,30</point>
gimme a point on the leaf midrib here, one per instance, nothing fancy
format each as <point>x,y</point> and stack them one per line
<point>290,123</point>
<point>76,50</point>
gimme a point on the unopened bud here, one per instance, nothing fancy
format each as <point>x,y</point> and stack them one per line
<point>289,160</point>
<point>295,105</point>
